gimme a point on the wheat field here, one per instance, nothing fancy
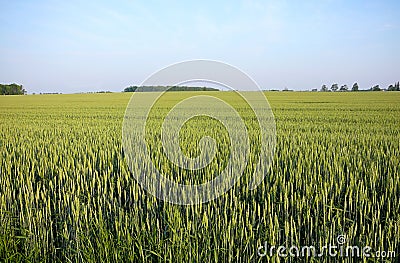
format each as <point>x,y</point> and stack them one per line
<point>67,194</point>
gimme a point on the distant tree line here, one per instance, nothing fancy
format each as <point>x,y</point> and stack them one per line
<point>170,88</point>
<point>395,87</point>
<point>12,89</point>
<point>101,91</point>
<point>355,87</point>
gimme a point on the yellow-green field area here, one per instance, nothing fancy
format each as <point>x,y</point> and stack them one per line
<point>67,195</point>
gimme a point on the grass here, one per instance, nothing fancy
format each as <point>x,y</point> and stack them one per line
<point>66,193</point>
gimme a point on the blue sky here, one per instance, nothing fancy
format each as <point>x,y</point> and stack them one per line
<point>74,46</point>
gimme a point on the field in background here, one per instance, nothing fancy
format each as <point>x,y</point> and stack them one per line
<point>66,192</point>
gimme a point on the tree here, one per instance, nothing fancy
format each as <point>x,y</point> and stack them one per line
<point>334,87</point>
<point>355,87</point>
<point>130,89</point>
<point>12,89</point>
<point>394,87</point>
<point>344,88</point>
<point>324,88</point>
<point>376,88</point>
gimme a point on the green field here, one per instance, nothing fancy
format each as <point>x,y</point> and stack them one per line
<point>66,193</point>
